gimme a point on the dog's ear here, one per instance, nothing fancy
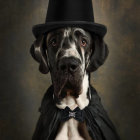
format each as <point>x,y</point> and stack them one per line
<point>38,52</point>
<point>99,53</point>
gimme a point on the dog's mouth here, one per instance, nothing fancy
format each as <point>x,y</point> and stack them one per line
<point>70,90</point>
<point>67,84</point>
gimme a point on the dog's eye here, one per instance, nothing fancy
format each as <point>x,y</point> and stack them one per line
<point>54,42</point>
<point>83,42</point>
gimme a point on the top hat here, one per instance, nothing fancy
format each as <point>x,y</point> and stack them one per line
<point>69,13</point>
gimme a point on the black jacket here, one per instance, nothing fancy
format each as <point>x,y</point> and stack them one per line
<point>98,123</point>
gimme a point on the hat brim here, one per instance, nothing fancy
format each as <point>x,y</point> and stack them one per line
<point>96,28</point>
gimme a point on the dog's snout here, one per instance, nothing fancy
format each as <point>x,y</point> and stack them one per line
<point>68,64</point>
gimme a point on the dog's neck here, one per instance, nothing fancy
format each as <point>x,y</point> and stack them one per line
<point>82,101</point>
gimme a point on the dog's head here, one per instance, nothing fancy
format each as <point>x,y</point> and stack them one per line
<point>69,54</point>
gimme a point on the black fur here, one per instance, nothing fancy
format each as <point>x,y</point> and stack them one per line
<point>99,54</point>
<point>37,51</point>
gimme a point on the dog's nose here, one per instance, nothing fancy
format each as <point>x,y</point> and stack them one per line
<point>68,64</point>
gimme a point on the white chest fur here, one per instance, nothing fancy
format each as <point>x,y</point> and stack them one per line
<point>69,129</point>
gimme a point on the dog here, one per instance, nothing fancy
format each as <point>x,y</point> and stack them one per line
<point>70,54</point>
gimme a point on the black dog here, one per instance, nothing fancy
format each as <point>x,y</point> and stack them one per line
<point>71,108</point>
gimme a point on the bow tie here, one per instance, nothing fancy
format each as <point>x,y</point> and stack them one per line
<point>77,114</point>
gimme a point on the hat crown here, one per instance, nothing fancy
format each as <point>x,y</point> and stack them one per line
<point>70,10</point>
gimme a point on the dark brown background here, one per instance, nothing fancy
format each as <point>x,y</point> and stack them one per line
<point>22,86</point>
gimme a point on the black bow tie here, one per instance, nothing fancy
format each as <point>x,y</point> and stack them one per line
<point>77,114</point>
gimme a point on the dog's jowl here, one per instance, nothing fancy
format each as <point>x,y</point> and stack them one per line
<point>70,46</point>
